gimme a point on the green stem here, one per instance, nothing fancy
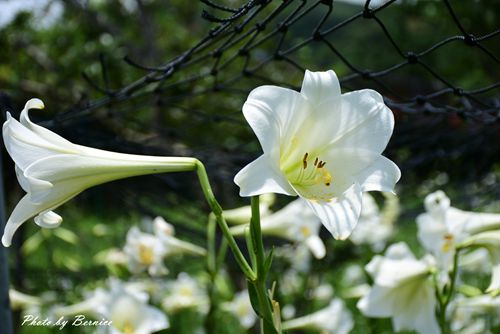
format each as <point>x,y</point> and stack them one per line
<point>211,257</point>
<point>448,294</point>
<point>217,211</point>
<point>258,249</point>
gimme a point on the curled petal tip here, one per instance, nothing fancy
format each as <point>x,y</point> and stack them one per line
<point>34,104</point>
<point>6,241</point>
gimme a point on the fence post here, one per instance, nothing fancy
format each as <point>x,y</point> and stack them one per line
<point>5,312</point>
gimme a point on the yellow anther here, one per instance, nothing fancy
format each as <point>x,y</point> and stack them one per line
<point>146,256</point>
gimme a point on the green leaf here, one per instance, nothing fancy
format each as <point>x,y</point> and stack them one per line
<point>32,243</point>
<point>268,262</point>
<point>254,299</point>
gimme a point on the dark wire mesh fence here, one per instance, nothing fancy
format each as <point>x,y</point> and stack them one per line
<point>443,86</point>
<point>275,41</point>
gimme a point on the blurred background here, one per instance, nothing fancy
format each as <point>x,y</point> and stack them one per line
<point>170,77</point>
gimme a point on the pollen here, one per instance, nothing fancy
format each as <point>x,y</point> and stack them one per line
<point>146,256</point>
<point>448,242</point>
<point>317,175</point>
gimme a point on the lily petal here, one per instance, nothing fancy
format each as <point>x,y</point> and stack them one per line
<point>269,110</point>
<point>22,212</point>
<point>260,177</point>
<point>48,219</point>
<point>340,217</point>
<point>316,246</point>
<point>381,175</point>
<point>364,121</point>
<point>319,86</point>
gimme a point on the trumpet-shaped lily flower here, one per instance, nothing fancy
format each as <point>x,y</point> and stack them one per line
<point>442,227</point>
<point>402,290</point>
<point>295,222</point>
<point>321,145</point>
<point>53,170</point>
<point>335,318</point>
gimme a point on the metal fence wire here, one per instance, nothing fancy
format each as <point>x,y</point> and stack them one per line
<point>273,41</point>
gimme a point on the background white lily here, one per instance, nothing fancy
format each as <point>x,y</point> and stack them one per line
<point>124,305</point>
<point>321,145</point>
<point>241,307</point>
<point>335,318</point>
<point>295,222</point>
<point>402,290</point>
<point>53,170</point>
<point>372,229</point>
<point>442,227</point>
<point>185,292</point>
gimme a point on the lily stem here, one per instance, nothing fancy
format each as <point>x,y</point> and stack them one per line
<point>448,294</point>
<point>259,266</point>
<point>217,211</point>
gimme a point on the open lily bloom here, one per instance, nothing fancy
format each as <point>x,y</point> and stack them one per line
<point>295,222</point>
<point>442,227</point>
<point>321,145</point>
<point>125,306</point>
<point>402,290</point>
<point>184,293</point>
<point>53,170</point>
<point>145,251</point>
<point>335,318</point>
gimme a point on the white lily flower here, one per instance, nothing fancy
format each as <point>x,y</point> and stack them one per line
<point>443,227</point>
<point>241,307</point>
<point>185,292</point>
<point>295,222</point>
<point>490,240</point>
<point>335,318</point>
<point>242,215</point>
<point>397,276</point>
<point>371,230</point>
<point>123,305</point>
<point>53,170</point>
<point>145,251</point>
<point>165,233</point>
<point>22,301</point>
<point>321,145</point>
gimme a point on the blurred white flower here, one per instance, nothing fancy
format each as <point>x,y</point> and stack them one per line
<point>322,292</point>
<point>295,222</point>
<point>321,145</point>
<point>243,214</point>
<point>124,305</point>
<point>53,170</point>
<point>371,229</point>
<point>241,307</point>
<point>490,240</point>
<point>397,276</point>
<point>22,301</point>
<point>443,227</point>
<point>145,251</point>
<point>174,246</point>
<point>185,292</point>
<point>334,319</point>
<point>475,315</point>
